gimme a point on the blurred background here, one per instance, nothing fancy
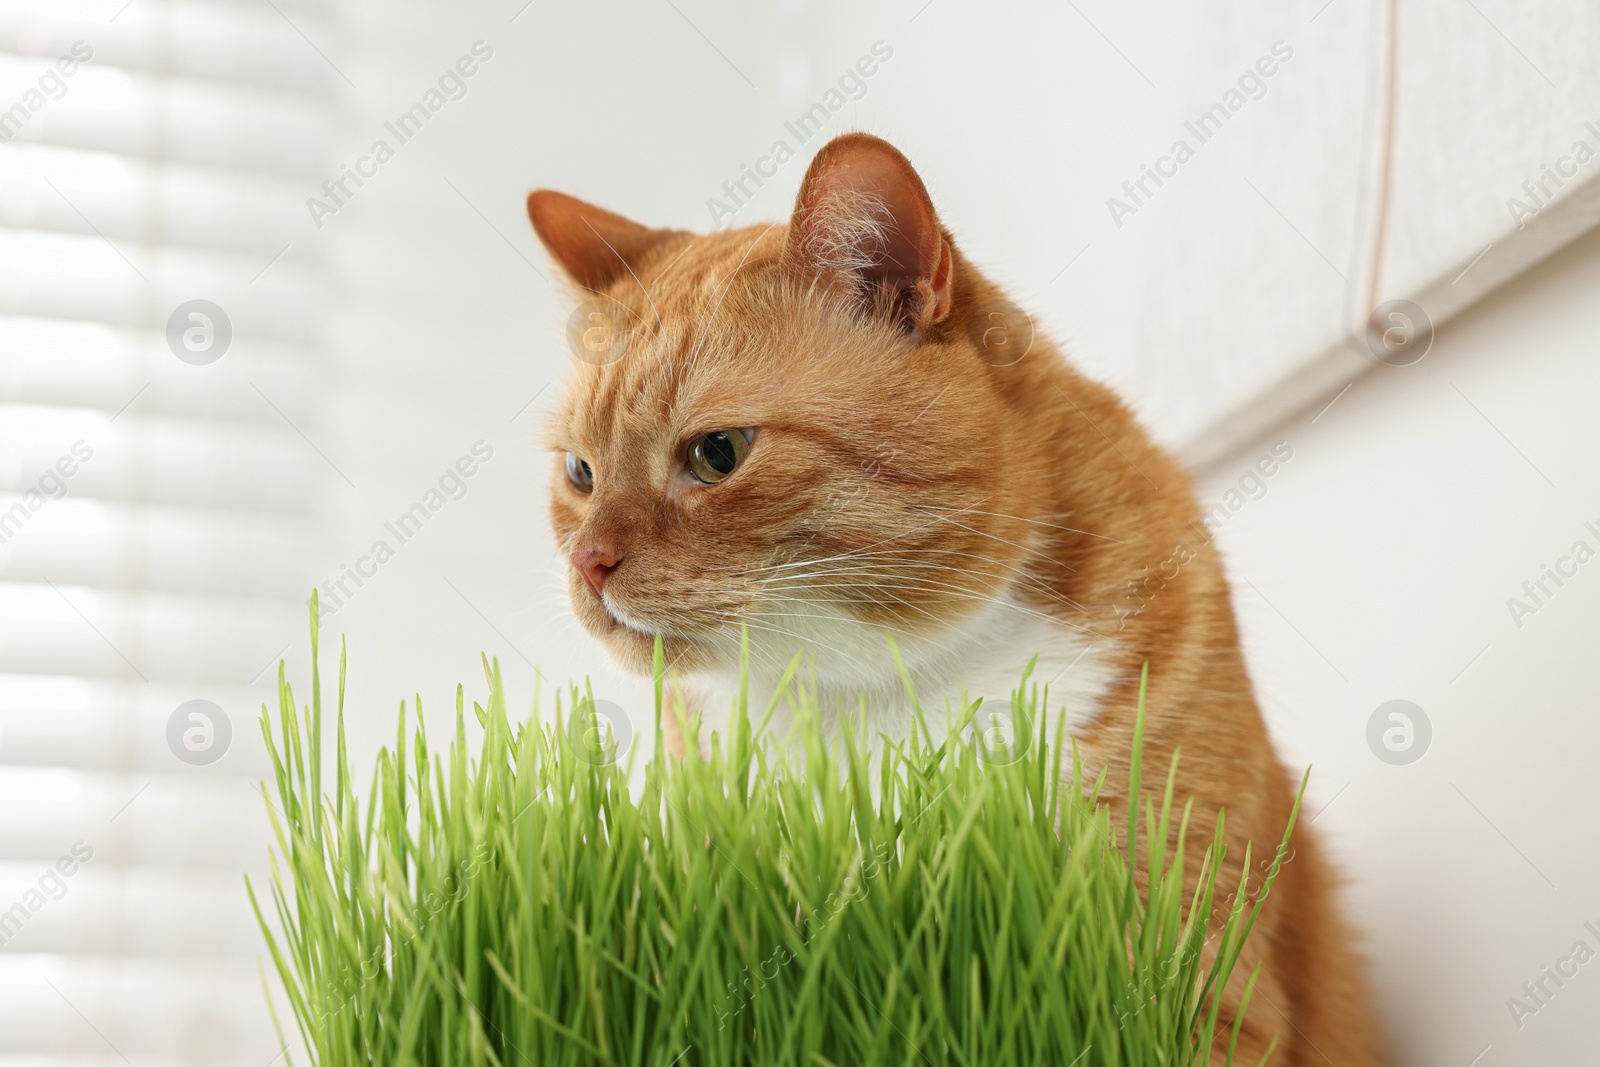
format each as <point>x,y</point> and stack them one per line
<point>237,339</point>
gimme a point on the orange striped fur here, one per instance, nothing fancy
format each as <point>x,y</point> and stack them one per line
<point>908,473</point>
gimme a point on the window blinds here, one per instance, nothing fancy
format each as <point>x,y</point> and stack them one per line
<point>156,514</point>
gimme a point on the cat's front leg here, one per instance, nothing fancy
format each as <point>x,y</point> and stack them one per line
<point>678,703</point>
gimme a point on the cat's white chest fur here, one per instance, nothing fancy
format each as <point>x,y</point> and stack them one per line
<point>982,656</point>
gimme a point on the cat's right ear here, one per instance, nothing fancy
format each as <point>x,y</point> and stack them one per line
<point>594,246</point>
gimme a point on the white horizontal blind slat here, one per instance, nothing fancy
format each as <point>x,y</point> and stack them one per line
<point>238,45</point>
<point>44,1000</point>
<point>109,109</point>
<point>50,362</point>
<point>204,209</point>
<point>71,723</point>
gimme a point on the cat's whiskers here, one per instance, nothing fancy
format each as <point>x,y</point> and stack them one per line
<point>767,614</point>
<point>806,641</point>
<point>1020,572</point>
<point>863,548</point>
<point>810,642</point>
<point>967,594</point>
<point>890,567</point>
<point>1036,552</point>
<point>876,576</point>
<point>1019,518</point>
<point>993,537</point>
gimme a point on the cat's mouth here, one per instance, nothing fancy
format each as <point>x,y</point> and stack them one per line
<point>621,619</point>
<point>629,622</point>
<point>630,635</point>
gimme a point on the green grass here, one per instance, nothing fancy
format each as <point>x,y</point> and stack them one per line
<point>784,901</point>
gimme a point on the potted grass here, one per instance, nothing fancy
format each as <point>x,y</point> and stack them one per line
<point>532,898</point>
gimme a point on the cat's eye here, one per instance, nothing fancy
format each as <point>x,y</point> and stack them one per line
<point>713,456</point>
<point>579,473</point>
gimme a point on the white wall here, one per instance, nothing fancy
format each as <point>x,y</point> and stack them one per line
<point>1412,509</point>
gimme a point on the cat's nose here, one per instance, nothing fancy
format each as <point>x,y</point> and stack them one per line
<point>595,561</point>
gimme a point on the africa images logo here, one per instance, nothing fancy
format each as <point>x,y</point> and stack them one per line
<point>1252,85</point>
<point>451,85</point>
<point>851,85</point>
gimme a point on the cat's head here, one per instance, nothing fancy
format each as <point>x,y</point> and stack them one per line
<point>808,429</point>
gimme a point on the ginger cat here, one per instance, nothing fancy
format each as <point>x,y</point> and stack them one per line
<point>838,428</point>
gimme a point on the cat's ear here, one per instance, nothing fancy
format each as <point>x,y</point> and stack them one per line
<point>592,245</point>
<point>864,222</point>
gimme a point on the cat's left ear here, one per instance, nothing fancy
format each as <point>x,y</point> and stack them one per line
<point>593,245</point>
<point>864,223</point>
